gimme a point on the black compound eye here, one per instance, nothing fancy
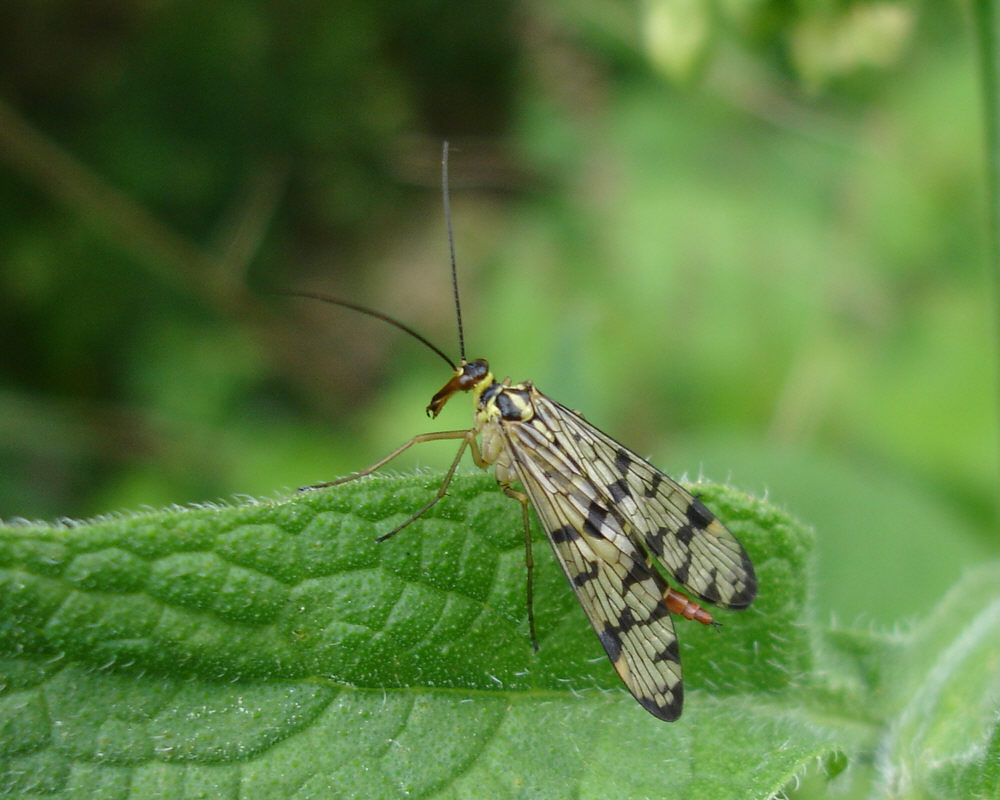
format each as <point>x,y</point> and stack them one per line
<point>478,368</point>
<point>473,372</point>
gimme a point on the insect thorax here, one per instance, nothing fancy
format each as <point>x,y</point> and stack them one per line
<point>499,403</point>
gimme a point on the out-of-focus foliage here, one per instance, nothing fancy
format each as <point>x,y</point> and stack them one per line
<point>820,41</point>
<point>744,238</point>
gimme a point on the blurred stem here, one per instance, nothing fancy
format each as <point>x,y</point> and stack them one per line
<point>53,170</point>
<point>172,258</point>
<point>987,33</point>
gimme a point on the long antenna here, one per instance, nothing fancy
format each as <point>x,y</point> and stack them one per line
<point>451,249</point>
<point>371,312</point>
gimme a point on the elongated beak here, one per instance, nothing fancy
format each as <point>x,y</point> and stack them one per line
<point>438,400</point>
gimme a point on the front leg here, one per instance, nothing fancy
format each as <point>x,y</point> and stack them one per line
<point>468,438</point>
<point>418,439</point>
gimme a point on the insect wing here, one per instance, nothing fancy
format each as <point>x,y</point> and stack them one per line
<point>620,591</point>
<point>681,532</point>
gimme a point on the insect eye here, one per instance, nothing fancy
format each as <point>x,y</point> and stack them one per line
<point>473,372</point>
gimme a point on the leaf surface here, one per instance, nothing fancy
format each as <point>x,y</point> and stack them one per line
<point>274,649</point>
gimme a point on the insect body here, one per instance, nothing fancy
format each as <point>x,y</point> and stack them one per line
<point>603,508</point>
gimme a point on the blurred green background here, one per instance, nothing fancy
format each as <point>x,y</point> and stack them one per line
<point>744,238</point>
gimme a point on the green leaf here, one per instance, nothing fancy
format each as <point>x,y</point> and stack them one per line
<point>945,696</point>
<point>274,649</point>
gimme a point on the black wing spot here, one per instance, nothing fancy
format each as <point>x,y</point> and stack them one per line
<point>672,652</point>
<point>567,533</point>
<point>596,515</point>
<point>654,486</point>
<point>632,577</point>
<point>623,461</point>
<point>698,515</point>
<point>626,620</point>
<point>619,490</point>
<point>612,644</point>
<point>684,534</point>
<point>583,577</point>
<point>749,591</point>
<point>669,712</point>
<point>656,541</point>
<point>745,597</point>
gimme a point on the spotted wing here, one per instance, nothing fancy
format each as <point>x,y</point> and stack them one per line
<point>682,533</point>
<point>620,591</point>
